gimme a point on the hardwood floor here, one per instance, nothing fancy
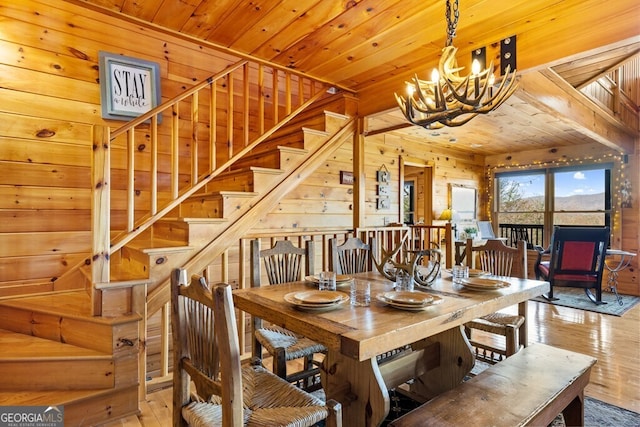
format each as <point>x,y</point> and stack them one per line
<point>614,341</point>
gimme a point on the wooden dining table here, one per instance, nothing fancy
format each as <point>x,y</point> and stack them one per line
<point>428,346</point>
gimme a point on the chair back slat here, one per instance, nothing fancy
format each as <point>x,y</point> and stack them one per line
<point>578,256</point>
<point>282,263</point>
<point>499,259</point>
<point>353,256</point>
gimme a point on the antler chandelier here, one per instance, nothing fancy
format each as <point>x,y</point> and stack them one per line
<point>449,99</point>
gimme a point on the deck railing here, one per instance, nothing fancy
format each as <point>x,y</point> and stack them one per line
<point>533,234</point>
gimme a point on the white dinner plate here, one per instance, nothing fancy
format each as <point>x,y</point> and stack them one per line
<point>479,283</point>
<point>410,307</point>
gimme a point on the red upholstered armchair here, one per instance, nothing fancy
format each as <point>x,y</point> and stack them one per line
<point>575,258</point>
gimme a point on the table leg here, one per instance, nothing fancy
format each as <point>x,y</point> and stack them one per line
<point>612,285</point>
<point>523,332</point>
<point>358,386</point>
<point>456,361</point>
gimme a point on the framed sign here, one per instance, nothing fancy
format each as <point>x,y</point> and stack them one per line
<point>346,177</point>
<point>129,87</point>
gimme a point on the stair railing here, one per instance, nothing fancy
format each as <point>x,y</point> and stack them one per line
<point>142,171</point>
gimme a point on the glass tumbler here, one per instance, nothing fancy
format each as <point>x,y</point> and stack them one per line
<point>360,293</point>
<point>327,281</point>
<point>460,272</point>
<point>404,281</point>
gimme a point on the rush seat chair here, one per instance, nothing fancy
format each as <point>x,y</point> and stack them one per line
<point>496,258</point>
<point>283,263</point>
<point>210,384</point>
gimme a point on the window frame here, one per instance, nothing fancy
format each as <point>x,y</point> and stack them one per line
<point>549,211</point>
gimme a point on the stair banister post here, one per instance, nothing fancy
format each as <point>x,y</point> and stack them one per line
<point>448,236</point>
<point>100,212</point>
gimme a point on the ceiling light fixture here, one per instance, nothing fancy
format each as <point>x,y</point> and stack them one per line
<point>449,99</point>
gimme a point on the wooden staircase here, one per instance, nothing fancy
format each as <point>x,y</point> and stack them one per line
<point>199,230</point>
<point>56,351</point>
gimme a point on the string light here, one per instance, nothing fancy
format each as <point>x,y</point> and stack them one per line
<point>618,176</point>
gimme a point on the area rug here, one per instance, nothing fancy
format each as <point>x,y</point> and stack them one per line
<point>576,298</point>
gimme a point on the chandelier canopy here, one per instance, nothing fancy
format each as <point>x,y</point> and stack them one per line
<point>449,99</point>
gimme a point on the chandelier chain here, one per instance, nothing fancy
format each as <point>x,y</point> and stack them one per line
<point>452,24</point>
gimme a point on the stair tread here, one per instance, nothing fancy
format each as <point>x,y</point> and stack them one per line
<point>157,244</point>
<point>47,398</point>
<point>251,169</point>
<point>17,346</point>
<point>71,304</point>
<point>118,282</point>
<point>75,303</point>
<point>195,220</point>
<point>223,193</point>
<point>261,151</point>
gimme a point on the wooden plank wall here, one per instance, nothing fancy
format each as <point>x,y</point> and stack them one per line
<point>321,201</point>
<point>50,94</point>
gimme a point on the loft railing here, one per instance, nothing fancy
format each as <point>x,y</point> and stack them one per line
<point>616,93</point>
<point>145,169</point>
<point>416,237</point>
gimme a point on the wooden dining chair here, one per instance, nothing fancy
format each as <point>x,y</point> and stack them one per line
<point>207,355</point>
<point>575,258</point>
<point>500,260</point>
<point>352,256</point>
<point>283,263</point>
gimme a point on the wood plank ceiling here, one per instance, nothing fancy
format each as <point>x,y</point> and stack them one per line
<point>373,46</point>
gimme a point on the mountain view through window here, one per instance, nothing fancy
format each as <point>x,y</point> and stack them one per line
<point>540,199</point>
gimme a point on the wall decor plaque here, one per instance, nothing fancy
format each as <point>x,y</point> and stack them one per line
<point>129,87</point>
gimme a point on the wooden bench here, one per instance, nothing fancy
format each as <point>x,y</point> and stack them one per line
<point>529,388</point>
